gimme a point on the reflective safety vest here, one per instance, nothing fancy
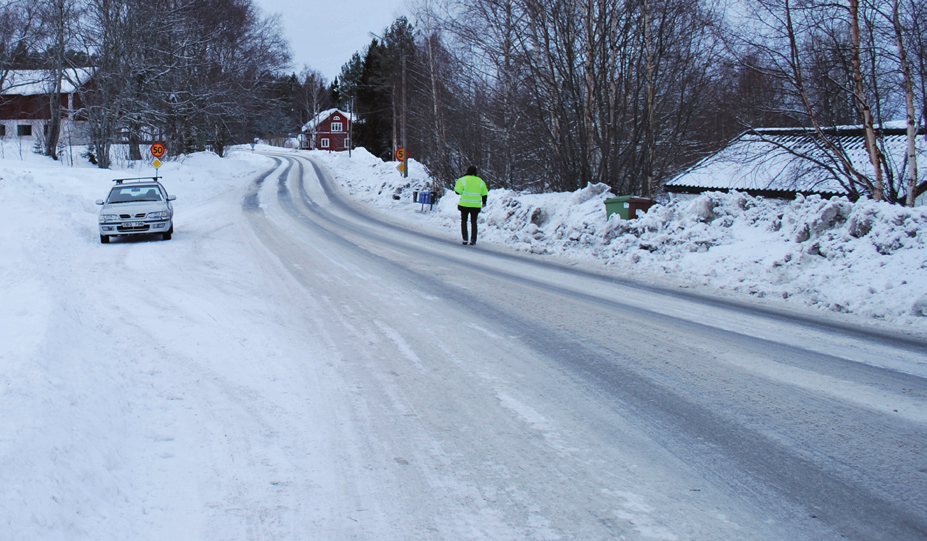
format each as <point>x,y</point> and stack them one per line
<point>471,190</point>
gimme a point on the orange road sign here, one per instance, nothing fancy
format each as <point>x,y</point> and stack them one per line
<point>158,150</point>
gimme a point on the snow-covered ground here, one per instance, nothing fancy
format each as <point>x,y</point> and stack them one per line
<point>98,437</point>
<point>91,342</point>
<point>867,258</point>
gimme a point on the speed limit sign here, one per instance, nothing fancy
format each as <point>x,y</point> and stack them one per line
<point>157,150</point>
<point>401,154</point>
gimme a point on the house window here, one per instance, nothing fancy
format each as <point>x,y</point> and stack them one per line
<point>24,130</point>
<point>347,142</point>
<point>2,130</point>
<point>324,142</point>
<point>336,127</point>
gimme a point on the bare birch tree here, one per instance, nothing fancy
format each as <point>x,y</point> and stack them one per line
<point>910,111</point>
<point>862,103</point>
<point>857,38</point>
<point>312,94</point>
<point>58,18</point>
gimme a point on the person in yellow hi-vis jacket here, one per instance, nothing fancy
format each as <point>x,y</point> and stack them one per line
<point>473,193</point>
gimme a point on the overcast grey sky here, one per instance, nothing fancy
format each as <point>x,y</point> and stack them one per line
<point>324,34</point>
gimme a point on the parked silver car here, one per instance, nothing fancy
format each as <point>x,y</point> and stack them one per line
<point>136,206</point>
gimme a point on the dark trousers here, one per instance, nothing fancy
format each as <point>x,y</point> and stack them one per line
<point>464,212</point>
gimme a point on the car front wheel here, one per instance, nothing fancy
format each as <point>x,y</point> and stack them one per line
<point>104,239</point>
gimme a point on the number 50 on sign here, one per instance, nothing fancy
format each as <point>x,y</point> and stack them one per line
<point>158,150</point>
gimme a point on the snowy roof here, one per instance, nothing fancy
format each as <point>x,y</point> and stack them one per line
<point>322,117</point>
<point>776,160</point>
<point>37,82</point>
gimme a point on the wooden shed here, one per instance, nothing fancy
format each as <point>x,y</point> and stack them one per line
<point>784,162</point>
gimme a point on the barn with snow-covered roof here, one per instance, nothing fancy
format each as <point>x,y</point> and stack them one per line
<point>25,105</point>
<point>329,130</point>
<point>782,163</point>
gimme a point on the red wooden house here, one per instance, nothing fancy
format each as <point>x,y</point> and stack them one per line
<point>330,130</point>
<point>25,107</point>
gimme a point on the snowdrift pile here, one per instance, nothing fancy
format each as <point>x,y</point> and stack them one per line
<point>867,258</point>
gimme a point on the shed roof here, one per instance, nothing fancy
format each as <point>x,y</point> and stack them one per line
<point>38,82</point>
<point>791,161</point>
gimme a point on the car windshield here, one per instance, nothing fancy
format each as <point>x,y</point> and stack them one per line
<point>133,194</point>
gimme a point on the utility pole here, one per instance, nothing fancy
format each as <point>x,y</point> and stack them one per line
<point>393,98</point>
<point>651,136</point>
<point>405,155</point>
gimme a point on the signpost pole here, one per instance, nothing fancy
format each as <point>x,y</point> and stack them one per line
<point>157,150</point>
<point>403,156</point>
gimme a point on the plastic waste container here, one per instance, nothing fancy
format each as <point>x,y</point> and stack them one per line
<point>627,206</point>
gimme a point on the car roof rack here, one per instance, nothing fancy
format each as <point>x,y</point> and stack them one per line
<point>137,179</point>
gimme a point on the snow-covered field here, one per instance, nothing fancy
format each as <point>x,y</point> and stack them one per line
<point>91,343</point>
<point>98,439</point>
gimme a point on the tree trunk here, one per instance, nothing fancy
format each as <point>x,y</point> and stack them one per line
<point>438,150</point>
<point>135,154</point>
<point>911,114</point>
<point>856,178</point>
<point>53,128</point>
<point>862,104</point>
<point>58,19</point>
<point>651,137</point>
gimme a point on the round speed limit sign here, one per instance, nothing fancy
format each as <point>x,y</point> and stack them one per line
<point>158,150</point>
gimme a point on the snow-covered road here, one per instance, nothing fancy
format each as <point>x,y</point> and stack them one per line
<point>294,366</point>
<point>497,397</point>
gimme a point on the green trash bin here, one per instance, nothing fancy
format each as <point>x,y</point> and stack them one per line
<point>627,206</point>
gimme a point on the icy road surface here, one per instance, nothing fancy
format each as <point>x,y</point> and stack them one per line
<point>292,365</point>
<point>483,395</point>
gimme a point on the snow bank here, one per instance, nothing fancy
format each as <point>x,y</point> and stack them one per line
<point>867,258</point>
